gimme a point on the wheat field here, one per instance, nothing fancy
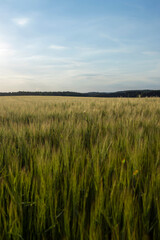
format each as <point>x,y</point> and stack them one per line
<point>79,168</point>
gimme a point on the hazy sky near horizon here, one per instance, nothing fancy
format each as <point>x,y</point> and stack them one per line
<point>87,45</point>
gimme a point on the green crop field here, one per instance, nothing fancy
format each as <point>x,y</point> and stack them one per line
<point>79,168</point>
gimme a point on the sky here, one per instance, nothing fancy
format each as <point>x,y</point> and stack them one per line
<point>79,45</point>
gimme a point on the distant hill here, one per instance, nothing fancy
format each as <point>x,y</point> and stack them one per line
<point>128,94</point>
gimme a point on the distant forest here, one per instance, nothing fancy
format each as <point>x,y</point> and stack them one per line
<point>128,94</point>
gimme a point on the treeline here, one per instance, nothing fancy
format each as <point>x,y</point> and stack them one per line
<point>130,94</point>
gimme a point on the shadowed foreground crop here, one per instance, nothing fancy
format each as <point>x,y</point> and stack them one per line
<point>79,168</point>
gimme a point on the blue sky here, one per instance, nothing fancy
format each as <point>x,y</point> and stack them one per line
<point>87,45</point>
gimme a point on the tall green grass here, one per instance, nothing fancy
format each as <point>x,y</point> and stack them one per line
<point>79,168</point>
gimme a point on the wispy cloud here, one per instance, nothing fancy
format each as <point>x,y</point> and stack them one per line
<point>99,51</point>
<point>151,53</point>
<point>57,47</point>
<point>110,38</point>
<point>21,21</point>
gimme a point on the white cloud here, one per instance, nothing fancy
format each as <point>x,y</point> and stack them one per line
<point>4,46</point>
<point>5,51</point>
<point>21,21</point>
<point>57,47</point>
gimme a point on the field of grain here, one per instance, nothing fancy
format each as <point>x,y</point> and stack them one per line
<point>79,168</point>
